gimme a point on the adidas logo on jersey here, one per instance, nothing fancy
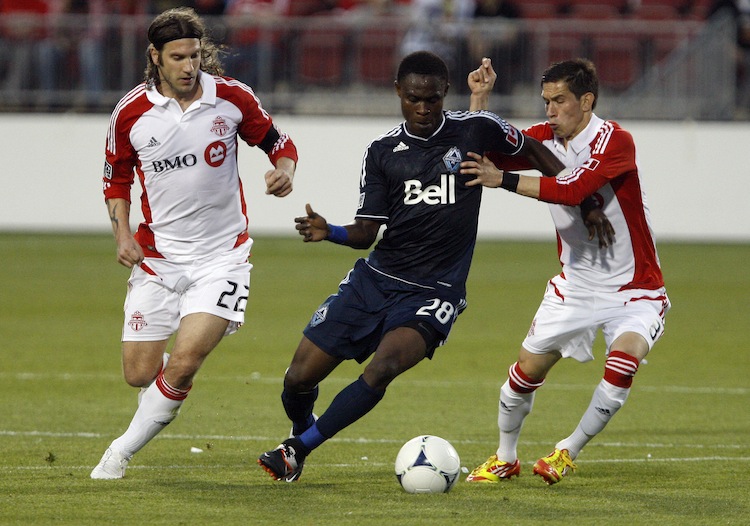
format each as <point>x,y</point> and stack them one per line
<point>152,143</point>
<point>400,147</point>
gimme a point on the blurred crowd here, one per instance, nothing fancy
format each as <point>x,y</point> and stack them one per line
<point>54,46</point>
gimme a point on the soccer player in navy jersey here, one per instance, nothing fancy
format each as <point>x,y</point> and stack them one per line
<point>400,302</point>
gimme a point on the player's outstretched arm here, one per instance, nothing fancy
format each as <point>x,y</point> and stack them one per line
<point>314,227</point>
<point>487,174</point>
<point>541,158</point>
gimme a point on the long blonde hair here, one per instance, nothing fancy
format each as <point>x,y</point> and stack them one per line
<point>173,24</point>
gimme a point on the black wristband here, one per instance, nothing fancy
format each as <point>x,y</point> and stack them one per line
<point>510,181</point>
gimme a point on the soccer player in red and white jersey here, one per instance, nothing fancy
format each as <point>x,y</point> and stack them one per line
<point>613,286</point>
<point>178,134</point>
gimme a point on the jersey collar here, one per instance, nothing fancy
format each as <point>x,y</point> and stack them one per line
<point>437,130</point>
<point>208,85</point>
<point>583,139</point>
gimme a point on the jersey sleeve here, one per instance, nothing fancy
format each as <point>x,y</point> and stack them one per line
<point>501,136</point>
<point>257,127</point>
<point>120,158</point>
<point>373,189</point>
<point>612,155</point>
<point>540,132</point>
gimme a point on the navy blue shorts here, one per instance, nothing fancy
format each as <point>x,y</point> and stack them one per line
<point>368,304</point>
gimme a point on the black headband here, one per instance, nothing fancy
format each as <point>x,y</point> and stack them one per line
<point>173,29</point>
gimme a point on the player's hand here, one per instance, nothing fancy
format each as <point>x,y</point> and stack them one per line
<point>482,80</point>
<point>278,182</point>
<point>129,252</point>
<point>312,227</point>
<point>485,172</point>
<point>598,225</point>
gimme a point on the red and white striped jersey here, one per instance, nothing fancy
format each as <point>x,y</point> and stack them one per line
<point>604,164</point>
<point>186,162</point>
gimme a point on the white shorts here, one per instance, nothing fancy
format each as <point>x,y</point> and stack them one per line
<point>568,318</point>
<point>161,293</point>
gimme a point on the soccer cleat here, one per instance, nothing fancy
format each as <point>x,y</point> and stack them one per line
<point>494,470</point>
<point>285,462</point>
<point>554,466</point>
<point>111,466</point>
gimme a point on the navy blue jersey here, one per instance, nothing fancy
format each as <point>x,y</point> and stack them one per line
<point>414,187</point>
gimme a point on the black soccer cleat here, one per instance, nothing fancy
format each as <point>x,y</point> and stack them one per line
<point>285,462</point>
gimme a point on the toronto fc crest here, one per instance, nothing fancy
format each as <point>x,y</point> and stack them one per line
<point>137,321</point>
<point>220,127</point>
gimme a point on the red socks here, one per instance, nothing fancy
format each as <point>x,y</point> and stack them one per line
<point>620,368</point>
<point>521,383</point>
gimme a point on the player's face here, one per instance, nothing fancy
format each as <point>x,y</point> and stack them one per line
<point>178,62</point>
<point>566,114</point>
<point>422,99</point>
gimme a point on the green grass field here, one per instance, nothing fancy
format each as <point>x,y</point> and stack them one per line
<point>678,453</point>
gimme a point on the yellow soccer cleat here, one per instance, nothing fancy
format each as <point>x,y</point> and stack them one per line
<point>494,471</point>
<point>554,466</point>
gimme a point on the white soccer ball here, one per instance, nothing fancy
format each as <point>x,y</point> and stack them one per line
<point>427,464</point>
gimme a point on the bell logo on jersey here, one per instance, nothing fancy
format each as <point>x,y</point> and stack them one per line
<point>215,154</point>
<point>442,194</point>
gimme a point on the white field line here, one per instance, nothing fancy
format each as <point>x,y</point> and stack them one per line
<point>201,439</point>
<point>361,440</point>
<point>257,378</point>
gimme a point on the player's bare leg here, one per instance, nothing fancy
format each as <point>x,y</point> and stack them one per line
<point>197,336</point>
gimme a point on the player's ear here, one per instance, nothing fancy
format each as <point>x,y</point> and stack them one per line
<point>587,101</point>
<point>153,54</point>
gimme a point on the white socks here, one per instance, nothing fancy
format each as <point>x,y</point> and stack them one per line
<point>512,411</point>
<point>159,405</point>
<point>605,402</point>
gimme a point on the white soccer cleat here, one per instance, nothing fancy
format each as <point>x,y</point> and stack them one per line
<point>111,466</point>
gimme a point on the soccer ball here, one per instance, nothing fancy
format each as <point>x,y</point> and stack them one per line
<point>427,464</point>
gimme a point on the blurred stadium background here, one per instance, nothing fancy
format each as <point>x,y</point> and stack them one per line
<point>663,59</point>
<point>673,72</point>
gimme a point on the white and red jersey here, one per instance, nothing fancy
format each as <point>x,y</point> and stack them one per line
<point>186,162</point>
<point>604,164</point>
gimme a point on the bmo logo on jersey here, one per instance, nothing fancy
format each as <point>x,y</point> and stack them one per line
<point>215,154</point>
<point>434,194</point>
<point>180,161</point>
